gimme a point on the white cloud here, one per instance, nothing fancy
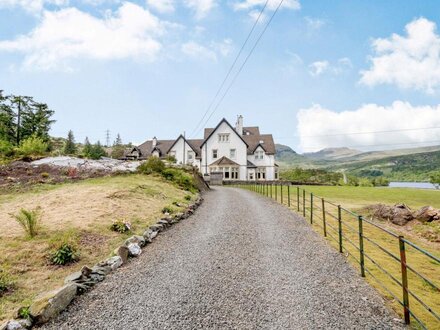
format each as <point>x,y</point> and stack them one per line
<point>314,23</point>
<point>212,52</point>
<point>200,7</point>
<point>162,6</point>
<point>410,61</point>
<point>320,67</point>
<point>319,127</point>
<point>272,4</point>
<point>70,34</point>
<point>31,6</point>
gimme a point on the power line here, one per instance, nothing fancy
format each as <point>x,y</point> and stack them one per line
<point>360,133</point>
<point>231,68</point>
<point>244,63</point>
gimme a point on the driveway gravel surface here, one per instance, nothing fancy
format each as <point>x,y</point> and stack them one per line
<point>241,262</point>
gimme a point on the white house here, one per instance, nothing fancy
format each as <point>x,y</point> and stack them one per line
<point>239,153</point>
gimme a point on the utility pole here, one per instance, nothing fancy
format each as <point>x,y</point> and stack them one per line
<point>107,138</point>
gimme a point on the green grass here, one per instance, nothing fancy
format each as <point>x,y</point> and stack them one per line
<point>376,258</point>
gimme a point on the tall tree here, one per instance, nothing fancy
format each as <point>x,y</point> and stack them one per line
<point>118,148</point>
<point>7,120</point>
<point>70,146</point>
<point>87,149</point>
<point>97,151</point>
<point>22,106</point>
<point>37,121</point>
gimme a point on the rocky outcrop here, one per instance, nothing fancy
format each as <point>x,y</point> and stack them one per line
<point>427,214</point>
<point>401,214</point>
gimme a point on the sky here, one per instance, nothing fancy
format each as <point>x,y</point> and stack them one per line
<point>326,73</point>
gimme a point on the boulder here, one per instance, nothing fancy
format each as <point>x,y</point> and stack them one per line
<point>114,262</point>
<point>178,216</point>
<point>122,252</point>
<point>157,227</point>
<point>140,240</point>
<point>163,222</point>
<point>154,235</point>
<point>147,235</point>
<point>134,250</point>
<point>74,277</point>
<point>86,271</point>
<point>427,214</point>
<point>50,304</point>
<point>399,214</point>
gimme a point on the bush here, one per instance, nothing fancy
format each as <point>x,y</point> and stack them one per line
<point>64,248</point>
<point>6,148</point>
<point>29,220</point>
<point>6,283</point>
<point>167,209</point>
<point>32,146</point>
<point>181,178</point>
<point>152,165</point>
<point>45,175</point>
<point>120,226</point>
<point>171,159</point>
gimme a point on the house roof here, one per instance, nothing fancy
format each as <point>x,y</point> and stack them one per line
<point>162,146</point>
<point>194,144</point>
<point>223,161</point>
<point>263,140</point>
<point>251,165</point>
<point>214,129</point>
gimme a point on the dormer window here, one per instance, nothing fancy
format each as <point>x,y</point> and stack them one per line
<point>259,154</point>
<point>223,137</point>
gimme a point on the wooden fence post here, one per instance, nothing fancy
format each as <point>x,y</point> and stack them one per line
<point>311,208</point>
<point>297,198</point>
<point>288,195</point>
<point>361,246</point>
<point>276,192</point>
<point>404,280</point>
<point>340,228</point>
<point>304,203</point>
<point>324,225</point>
<point>281,191</point>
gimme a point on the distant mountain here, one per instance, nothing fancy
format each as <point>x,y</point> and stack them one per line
<point>332,153</point>
<point>286,156</point>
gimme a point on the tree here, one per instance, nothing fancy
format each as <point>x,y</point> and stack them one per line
<point>97,151</point>
<point>7,120</point>
<point>435,180</point>
<point>70,146</point>
<point>87,149</point>
<point>22,106</point>
<point>37,121</point>
<point>118,148</point>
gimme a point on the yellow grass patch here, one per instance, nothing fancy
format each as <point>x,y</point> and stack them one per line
<point>89,208</point>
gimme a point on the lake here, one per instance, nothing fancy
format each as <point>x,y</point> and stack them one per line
<point>419,185</point>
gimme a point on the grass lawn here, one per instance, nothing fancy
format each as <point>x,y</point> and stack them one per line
<point>86,209</point>
<point>376,260</point>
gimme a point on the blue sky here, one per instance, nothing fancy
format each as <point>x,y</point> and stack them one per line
<point>151,68</point>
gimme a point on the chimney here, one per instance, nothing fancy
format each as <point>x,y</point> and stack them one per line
<point>239,125</point>
<point>154,142</point>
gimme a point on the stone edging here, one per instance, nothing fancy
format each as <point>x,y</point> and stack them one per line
<point>48,305</point>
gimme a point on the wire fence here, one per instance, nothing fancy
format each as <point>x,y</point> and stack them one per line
<point>406,274</point>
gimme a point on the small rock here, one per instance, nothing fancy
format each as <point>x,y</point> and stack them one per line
<point>21,324</point>
<point>104,270</point>
<point>50,304</point>
<point>115,262</point>
<point>147,235</point>
<point>134,250</point>
<point>122,252</point>
<point>163,222</point>
<point>157,227</point>
<point>140,240</point>
<point>154,235</point>
<point>86,271</point>
<point>178,216</point>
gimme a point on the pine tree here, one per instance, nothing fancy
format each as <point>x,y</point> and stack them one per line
<point>118,148</point>
<point>37,121</point>
<point>87,149</point>
<point>97,151</point>
<point>70,146</point>
<point>7,120</point>
<point>22,107</point>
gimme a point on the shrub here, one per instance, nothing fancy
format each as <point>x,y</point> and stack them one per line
<point>152,165</point>
<point>44,175</point>
<point>24,313</point>
<point>64,248</point>
<point>6,148</point>
<point>181,178</point>
<point>171,159</point>
<point>120,226</point>
<point>187,197</point>
<point>32,146</point>
<point>29,220</point>
<point>6,283</point>
<point>167,209</point>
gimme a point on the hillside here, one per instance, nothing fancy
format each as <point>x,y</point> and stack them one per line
<point>286,157</point>
<point>332,153</point>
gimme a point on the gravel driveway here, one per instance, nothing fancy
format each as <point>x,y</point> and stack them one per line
<point>241,262</point>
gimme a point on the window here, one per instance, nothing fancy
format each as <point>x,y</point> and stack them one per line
<point>259,154</point>
<point>190,156</point>
<point>261,173</point>
<point>223,137</point>
<point>251,176</point>
<point>234,173</point>
<point>276,173</point>
<point>214,153</point>
<point>232,153</point>
<point>226,174</point>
